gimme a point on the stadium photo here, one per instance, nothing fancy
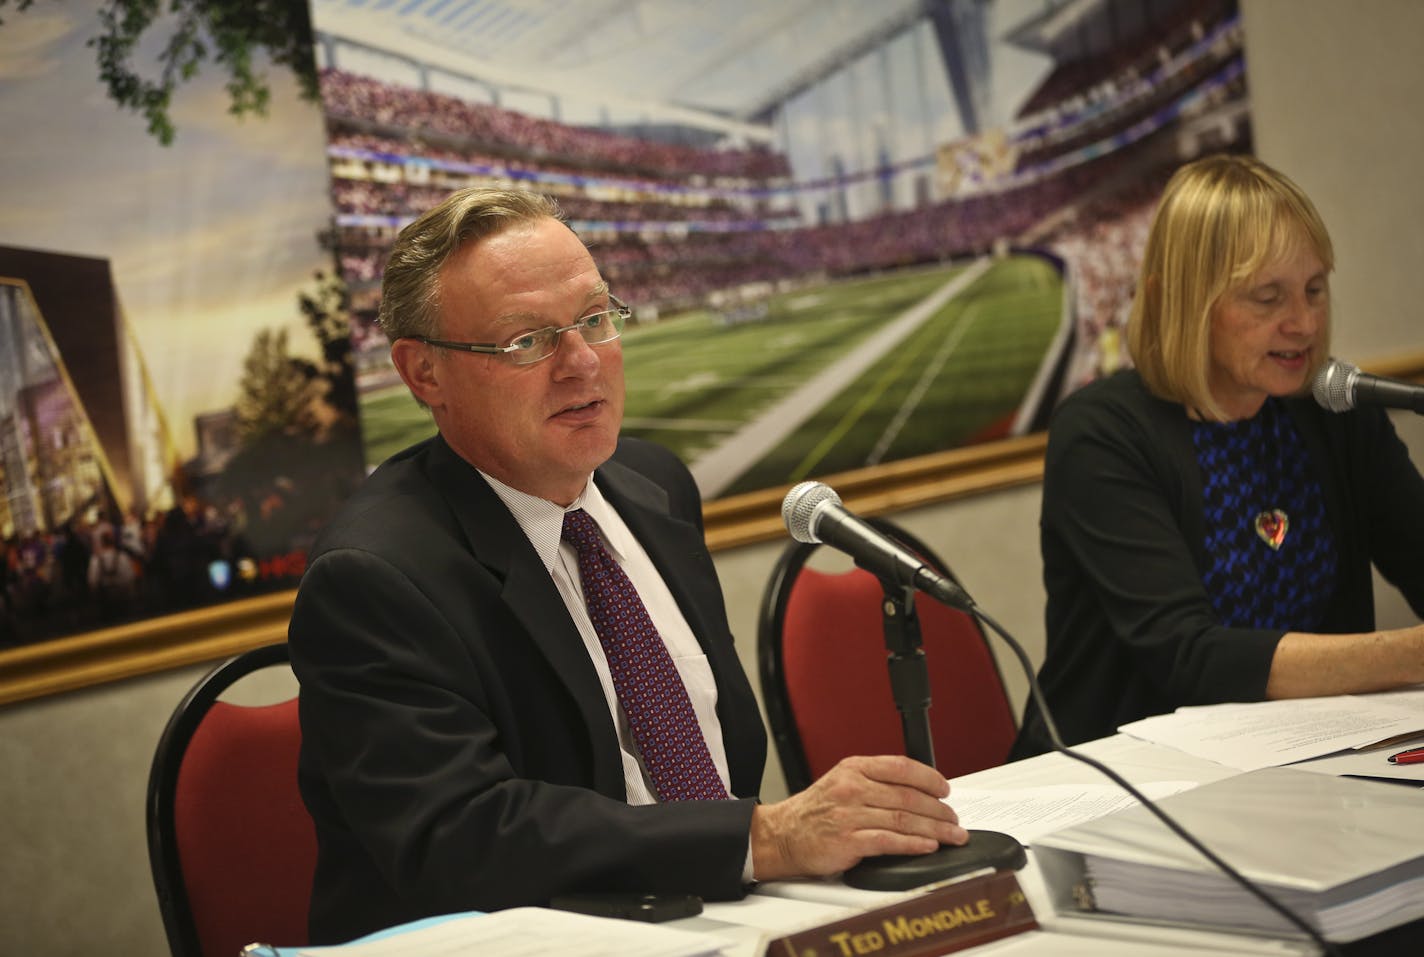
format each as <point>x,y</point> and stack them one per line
<point>850,233</point>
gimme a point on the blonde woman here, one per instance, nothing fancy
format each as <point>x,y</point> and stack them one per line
<point>1207,529</point>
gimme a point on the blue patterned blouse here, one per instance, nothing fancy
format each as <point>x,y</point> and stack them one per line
<point>1270,550</point>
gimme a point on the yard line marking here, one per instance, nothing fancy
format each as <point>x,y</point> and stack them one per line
<point>932,371</point>
<point>862,405</point>
<point>720,465</point>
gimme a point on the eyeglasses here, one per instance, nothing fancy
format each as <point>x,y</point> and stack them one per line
<point>596,329</point>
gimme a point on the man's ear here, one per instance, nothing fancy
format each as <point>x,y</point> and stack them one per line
<point>413,360</point>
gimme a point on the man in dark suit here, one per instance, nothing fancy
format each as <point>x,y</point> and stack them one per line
<point>466,741</point>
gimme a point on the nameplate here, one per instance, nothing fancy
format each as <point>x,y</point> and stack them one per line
<point>961,915</point>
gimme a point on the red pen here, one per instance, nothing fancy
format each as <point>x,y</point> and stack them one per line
<point>1412,756</point>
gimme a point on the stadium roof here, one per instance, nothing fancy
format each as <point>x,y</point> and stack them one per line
<point>730,58</point>
<point>1076,29</point>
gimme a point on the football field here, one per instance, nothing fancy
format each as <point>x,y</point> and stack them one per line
<point>830,378</point>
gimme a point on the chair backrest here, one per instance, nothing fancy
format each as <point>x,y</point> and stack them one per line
<point>230,842</point>
<point>825,681</point>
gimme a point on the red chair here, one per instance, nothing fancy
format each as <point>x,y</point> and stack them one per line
<point>826,685</point>
<point>230,841</point>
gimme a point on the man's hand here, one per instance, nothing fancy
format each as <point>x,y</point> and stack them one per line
<point>862,807</point>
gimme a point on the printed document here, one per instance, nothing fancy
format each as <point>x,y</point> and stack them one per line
<point>1266,734</point>
<point>1029,813</point>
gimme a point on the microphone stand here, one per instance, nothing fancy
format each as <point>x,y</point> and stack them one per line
<point>910,685</point>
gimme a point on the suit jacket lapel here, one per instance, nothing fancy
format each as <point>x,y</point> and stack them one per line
<point>497,542</point>
<point>679,551</point>
<point>676,547</point>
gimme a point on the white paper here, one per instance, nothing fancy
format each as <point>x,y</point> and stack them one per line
<point>1273,733</point>
<point>777,915</point>
<point>1369,763</point>
<point>531,932</point>
<point>833,891</point>
<point>1030,813</point>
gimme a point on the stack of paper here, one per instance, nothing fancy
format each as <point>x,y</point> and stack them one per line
<point>1343,854</point>
<point>1029,813</point>
<point>520,932</point>
<point>1262,734</point>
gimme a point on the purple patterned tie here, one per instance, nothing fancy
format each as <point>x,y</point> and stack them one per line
<point>649,688</point>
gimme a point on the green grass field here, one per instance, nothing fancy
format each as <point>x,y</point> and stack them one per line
<point>390,420</point>
<point>693,381</point>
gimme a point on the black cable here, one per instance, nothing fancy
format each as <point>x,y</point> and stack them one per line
<point>1326,946</point>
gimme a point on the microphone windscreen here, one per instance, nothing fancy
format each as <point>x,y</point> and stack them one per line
<point>1332,386</point>
<point>798,508</point>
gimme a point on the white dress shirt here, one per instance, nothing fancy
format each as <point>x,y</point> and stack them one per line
<point>543,522</point>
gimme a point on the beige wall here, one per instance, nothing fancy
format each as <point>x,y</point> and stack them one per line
<point>1335,91</point>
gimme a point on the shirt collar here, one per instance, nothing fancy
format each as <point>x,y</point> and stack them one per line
<point>543,521</point>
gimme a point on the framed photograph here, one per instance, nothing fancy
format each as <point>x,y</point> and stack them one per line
<point>852,234</point>
<point>867,244</point>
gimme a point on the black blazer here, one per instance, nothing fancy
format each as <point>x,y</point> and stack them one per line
<point>1131,628</point>
<point>457,749</point>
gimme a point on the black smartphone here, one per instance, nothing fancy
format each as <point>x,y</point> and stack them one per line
<point>653,908</point>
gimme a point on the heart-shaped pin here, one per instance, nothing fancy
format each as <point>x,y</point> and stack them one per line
<point>1272,527</point>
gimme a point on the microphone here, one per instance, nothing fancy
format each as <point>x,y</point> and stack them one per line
<point>1340,387</point>
<point>813,513</point>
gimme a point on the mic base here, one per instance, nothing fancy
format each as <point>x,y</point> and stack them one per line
<point>901,872</point>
